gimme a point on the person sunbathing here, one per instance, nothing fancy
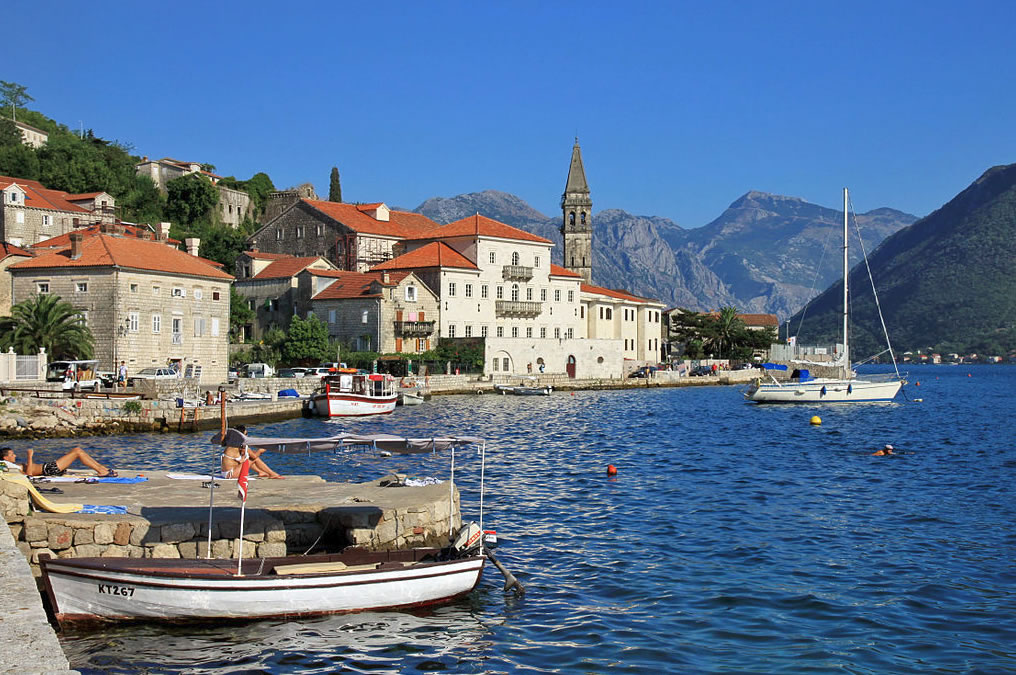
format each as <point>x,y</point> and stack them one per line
<point>233,456</point>
<point>58,467</point>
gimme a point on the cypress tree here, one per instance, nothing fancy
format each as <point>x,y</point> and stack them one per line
<point>334,187</point>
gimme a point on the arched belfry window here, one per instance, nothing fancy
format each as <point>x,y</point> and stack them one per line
<point>515,258</point>
<point>571,218</point>
<point>583,217</point>
<point>515,292</point>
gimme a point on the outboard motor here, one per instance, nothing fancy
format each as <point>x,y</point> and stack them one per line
<point>468,540</point>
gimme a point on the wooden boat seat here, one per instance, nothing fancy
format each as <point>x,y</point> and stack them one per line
<point>322,568</point>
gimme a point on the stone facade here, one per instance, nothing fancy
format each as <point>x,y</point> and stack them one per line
<point>408,321</point>
<point>234,206</point>
<point>577,222</point>
<point>583,359</point>
<point>280,200</point>
<point>31,136</point>
<point>31,213</point>
<point>141,316</point>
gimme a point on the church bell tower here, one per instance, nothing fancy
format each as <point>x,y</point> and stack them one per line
<point>577,225</point>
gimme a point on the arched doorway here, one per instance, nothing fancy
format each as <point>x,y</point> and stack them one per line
<point>571,366</point>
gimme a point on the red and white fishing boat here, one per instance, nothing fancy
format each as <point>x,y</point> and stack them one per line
<point>352,394</point>
<point>115,589</point>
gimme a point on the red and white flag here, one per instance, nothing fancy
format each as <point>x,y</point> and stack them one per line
<point>241,480</point>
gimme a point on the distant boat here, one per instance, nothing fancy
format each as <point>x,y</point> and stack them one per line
<point>525,389</point>
<point>848,388</point>
<point>410,398</point>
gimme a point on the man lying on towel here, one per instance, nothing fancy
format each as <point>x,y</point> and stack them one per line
<point>56,468</point>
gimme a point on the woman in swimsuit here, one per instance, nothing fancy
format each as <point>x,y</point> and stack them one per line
<point>232,458</point>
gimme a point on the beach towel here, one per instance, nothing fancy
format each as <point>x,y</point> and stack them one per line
<point>90,479</point>
<point>44,504</point>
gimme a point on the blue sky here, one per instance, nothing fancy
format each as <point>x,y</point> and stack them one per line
<point>680,107</point>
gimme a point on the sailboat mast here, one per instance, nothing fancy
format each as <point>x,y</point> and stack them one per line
<point>846,270</point>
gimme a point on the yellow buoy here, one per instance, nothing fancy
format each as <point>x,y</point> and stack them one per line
<point>816,420</point>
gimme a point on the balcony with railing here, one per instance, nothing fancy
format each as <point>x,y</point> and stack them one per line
<point>516,273</point>
<point>414,328</point>
<point>517,308</point>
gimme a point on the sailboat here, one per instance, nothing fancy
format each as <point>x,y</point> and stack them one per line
<point>849,388</point>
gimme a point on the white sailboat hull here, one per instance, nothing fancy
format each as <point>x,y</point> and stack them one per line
<point>824,391</point>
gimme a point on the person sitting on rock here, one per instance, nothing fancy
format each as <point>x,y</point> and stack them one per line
<point>58,467</point>
<point>233,456</point>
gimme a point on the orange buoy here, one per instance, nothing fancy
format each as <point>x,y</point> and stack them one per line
<point>611,470</point>
<point>917,384</point>
<point>969,375</point>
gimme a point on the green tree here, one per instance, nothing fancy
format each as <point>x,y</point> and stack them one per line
<point>46,321</point>
<point>334,186</point>
<point>190,198</point>
<point>143,202</point>
<point>10,135</point>
<point>239,314</point>
<point>14,95</point>
<point>269,350</point>
<point>307,341</point>
<point>19,160</point>
<point>722,332</point>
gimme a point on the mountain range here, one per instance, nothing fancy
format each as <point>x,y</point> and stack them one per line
<point>946,282</point>
<point>764,254</point>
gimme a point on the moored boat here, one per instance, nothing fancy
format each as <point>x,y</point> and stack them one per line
<point>352,394</point>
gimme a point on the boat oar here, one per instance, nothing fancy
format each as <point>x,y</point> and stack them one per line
<point>510,582</point>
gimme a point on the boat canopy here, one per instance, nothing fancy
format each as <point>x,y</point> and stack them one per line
<point>774,366</point>
<point>395,444</point>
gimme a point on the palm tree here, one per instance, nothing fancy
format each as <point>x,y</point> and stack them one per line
<point>725,331</point>
<point>47,322</point>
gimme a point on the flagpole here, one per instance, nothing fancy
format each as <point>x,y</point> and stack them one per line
<point>215,469</point>
<point>239,557</point>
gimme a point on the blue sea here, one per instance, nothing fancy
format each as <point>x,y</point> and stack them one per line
<point>734,538</point>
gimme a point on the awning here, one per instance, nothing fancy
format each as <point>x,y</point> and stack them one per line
<point>395,444</point>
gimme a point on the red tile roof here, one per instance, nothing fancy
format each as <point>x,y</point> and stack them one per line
<point>353,284</point>
<point>103,250</point>
<point>435,254</point>
<point>40,197</point>
<point>558,271</point>
<point>128,230</point>
<point>480,225</point>
<point>611,293</point>
<point>7,250</point>
<point>260,255</point>
<point>753,319</point>
<point>400,224</point>
<point>86,195</point>
<point>285,268</point>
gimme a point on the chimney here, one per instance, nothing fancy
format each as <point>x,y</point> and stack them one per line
<point>192,244</point>
<point>386,279</point>
<point>162,231</point>
<point>76,240</point>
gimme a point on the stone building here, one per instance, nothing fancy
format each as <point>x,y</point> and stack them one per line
<point>268,282</point>
<point>9,255</point>
<point>234,205</point>
<point>146,302</point>
<point>355,237</point>
<point>383,311</point>
<point>577,219</point>
<point>280,200</point>
<point>619,315</point>
<point>32,212</point>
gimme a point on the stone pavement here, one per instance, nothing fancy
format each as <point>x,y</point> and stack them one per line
<point>28,643</point>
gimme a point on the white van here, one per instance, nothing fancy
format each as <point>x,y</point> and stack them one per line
<point>74,374</point>
<point>258,370</point>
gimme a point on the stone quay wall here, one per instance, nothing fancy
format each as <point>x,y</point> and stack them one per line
<point>268,532</point>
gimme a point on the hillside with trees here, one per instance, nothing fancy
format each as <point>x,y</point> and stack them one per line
<point>945,283</point>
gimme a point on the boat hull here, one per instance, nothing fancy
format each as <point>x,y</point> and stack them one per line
<point>825,391</point>
<point>111,589</point>
<point>335,404</point>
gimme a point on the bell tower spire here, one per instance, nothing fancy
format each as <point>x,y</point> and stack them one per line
<point>577,223</point>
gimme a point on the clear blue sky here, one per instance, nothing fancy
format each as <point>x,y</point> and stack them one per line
<point>680,107</point>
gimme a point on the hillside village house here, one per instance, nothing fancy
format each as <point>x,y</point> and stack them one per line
<point>383,311</point>
<point>364,310</point>
<point>354,237</point>
<point>146,302</point>
<point>32,213</point>
<point>234,204</point>
<point>31,136</point>
<point>268,282</point>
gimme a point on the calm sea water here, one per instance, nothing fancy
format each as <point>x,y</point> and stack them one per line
<point>735,537</point>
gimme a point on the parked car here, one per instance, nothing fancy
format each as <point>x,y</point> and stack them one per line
<point>319,371</point>
<point>258,370</point>
<point>699,371</point>
<point>151,374</point>
<point>644,372</point>
<point>293,372</point>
